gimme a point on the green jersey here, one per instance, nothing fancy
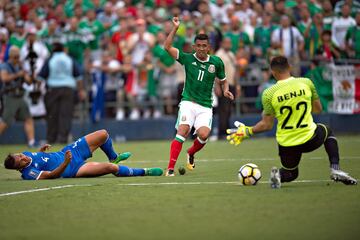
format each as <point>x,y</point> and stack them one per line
<point>290,101</point>
<point>200,77</point>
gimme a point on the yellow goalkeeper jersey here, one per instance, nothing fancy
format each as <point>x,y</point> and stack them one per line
<point>290,101</point>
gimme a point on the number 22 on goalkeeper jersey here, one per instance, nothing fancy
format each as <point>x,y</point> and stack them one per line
<point>290,101</point>
<point>200,77</point>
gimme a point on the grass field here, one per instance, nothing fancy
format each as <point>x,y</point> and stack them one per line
<point>207,203</point>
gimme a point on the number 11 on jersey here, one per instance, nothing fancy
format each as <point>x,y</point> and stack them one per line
<point>201,75</point>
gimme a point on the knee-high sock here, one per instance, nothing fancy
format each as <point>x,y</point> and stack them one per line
<point>108,149</point>
<point>175,149</point>
<point>332,149</point>
<point>130,172</point>
<point>197,146</point>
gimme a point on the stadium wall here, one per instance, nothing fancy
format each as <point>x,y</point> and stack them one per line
<point>163,129</point>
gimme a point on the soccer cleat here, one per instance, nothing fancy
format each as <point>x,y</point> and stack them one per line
<point>190,164</point>
<point>121,157</point>
<point>341,176</point>
<point>153,171</point>
<point>275,180</point>
<point>170,173</point>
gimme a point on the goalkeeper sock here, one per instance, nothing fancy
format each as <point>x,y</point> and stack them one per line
<point>332,149</point>
<point>197,146</point>
<point>108,149</point>
<point>130,172</point>
<point>175,149</point>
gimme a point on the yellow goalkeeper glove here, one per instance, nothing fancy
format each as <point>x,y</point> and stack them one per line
<point>237,135</point>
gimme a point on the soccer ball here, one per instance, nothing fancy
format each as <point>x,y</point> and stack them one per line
<point>249,174</point>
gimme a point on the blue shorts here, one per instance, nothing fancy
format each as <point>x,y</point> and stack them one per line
<point>80,153</point>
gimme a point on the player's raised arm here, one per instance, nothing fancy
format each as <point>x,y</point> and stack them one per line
<point>56,173</point>
<point>174,52</point>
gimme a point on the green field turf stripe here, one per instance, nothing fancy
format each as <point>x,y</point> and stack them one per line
<point>42,189</point>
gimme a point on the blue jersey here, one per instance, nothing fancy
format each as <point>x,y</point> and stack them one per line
<point>42,161</point>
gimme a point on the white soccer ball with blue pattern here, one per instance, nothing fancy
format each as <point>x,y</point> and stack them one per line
<point>249,174</point>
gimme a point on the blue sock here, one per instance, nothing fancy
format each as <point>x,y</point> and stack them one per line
<point>108,149</point>
<point>129,172</point>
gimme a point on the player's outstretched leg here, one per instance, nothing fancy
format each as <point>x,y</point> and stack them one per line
<point>202,138</point>
<point>175,149</point>
<point>332,149</point>
<point>197,146</point>
<point>107,148</point>
<point>134,172</point>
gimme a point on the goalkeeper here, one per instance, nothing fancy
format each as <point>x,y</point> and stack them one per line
<point>291,100</point>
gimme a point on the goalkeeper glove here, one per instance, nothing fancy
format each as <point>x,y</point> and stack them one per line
<point>237,135</point>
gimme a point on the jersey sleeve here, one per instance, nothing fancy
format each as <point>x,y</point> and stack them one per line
<point>266,102</point>
<point>181,57</point>
<point>31,174</point>
<point>314,94</point>
<point>220,72</point>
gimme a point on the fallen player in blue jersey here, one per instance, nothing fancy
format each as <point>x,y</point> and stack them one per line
<point>70,162</point>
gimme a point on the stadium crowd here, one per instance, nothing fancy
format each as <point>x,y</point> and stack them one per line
<point>118,46</point>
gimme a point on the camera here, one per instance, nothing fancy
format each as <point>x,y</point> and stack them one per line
<point>36,93</point>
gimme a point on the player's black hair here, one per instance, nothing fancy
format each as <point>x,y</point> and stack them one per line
<point>9,162</point>
<point>201,36</point>
<point>279,64</point>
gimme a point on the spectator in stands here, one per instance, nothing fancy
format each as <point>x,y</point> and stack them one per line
<point>239,38</point>
<point>214,33</point>
<point>354,6</point>
<point>262,36</point>
<point>225,105</point>
<point>328,14</point>
<point>118,39</point>
<point>4,45</point>
<point>51,34</point>
<point>311,32</point>
<point>77,40</point>
<point>340,26</point>
<point>327,50</point>
<point>18,37</point>
<point>140,42</point>
<point>15,107</point>
<point>105,82</point>
<point>352,39</point>
<point>62,76</point>
<point>218,10</point>
<point>291,41</point>
<point>94,26</point>
<point>167,74</point>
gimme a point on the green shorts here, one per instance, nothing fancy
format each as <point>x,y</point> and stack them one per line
<point>15,108</point>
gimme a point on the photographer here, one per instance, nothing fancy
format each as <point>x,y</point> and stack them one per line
<point>33,55</point>
<point>15,107</point>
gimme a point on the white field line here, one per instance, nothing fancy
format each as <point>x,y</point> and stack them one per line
<point>145,184</point>
<point>242,159</point>
<point>42,189</point>
<point>209,183</point>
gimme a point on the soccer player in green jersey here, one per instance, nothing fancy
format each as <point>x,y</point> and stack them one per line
<point>291,100</point>
<point>201,70</point>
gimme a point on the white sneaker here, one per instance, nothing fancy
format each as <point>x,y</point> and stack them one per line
<point>147,114</point>
<point>135,114</point>
<point>120,115</point>
<point>275,180</point>
<point>341,176</point>
<point>157,114</point>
